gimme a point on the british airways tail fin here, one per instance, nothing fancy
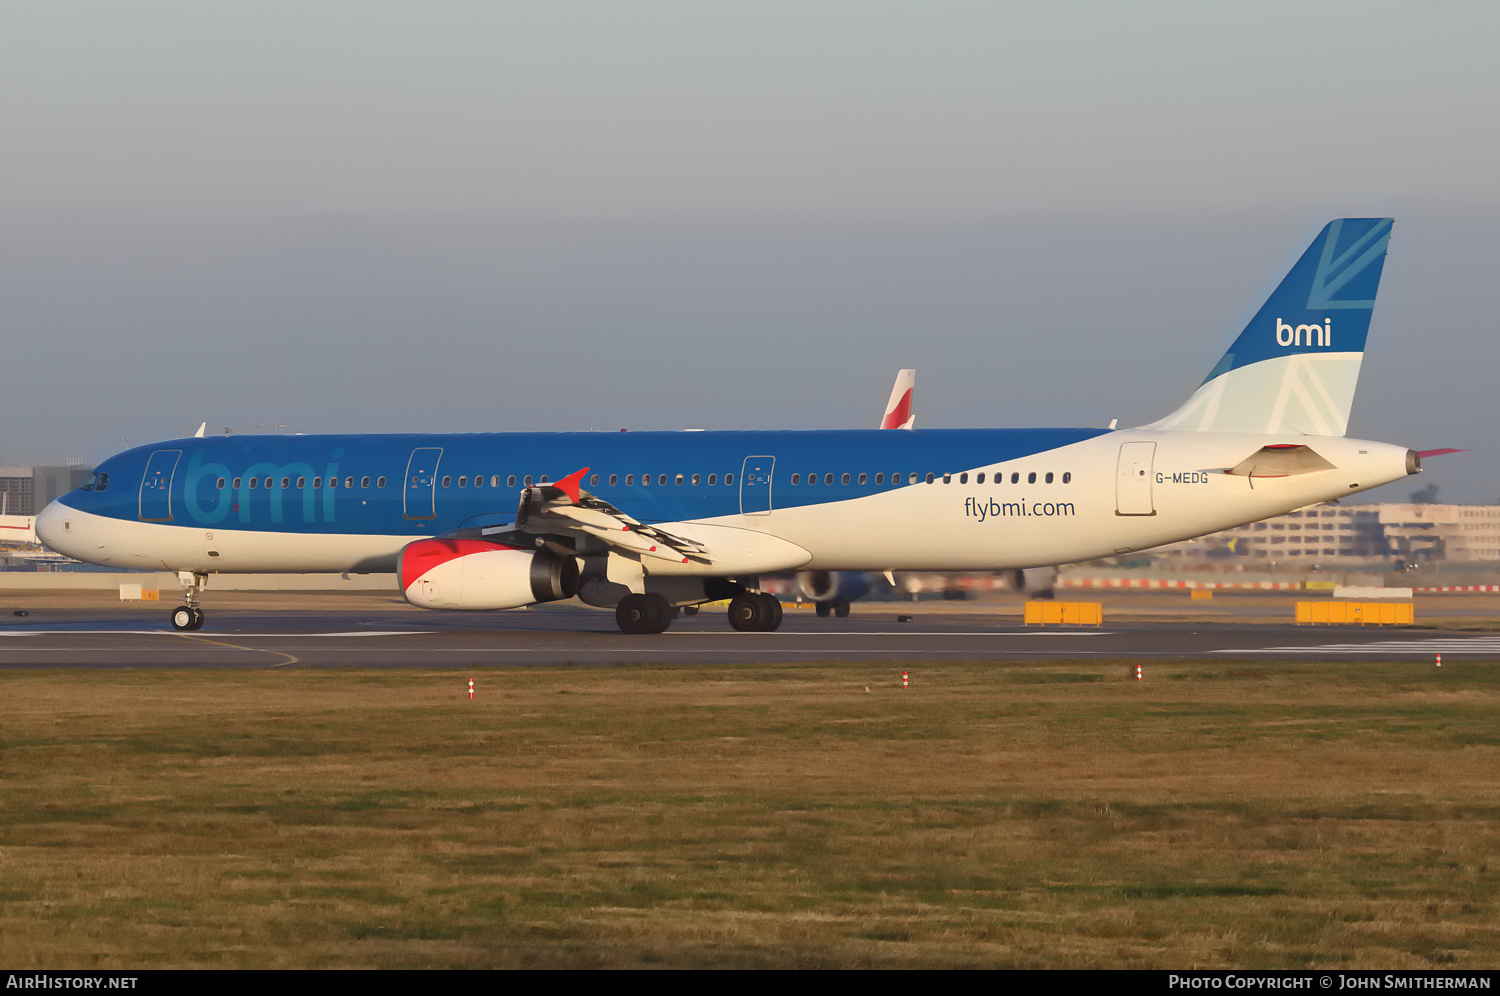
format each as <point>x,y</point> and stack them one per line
<point>898,413</point>
<point>1295,367</point>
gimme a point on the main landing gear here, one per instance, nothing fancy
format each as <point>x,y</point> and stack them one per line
<point>755,612</point>
<point>189,616</point>
<point>825,609</point>
<point>648,613</point>
<point>749,611</point>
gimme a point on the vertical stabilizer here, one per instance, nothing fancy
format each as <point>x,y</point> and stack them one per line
<point>898,413</point>
<point>1295,366</point>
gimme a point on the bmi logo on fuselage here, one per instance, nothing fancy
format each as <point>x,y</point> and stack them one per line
<point>1315,335</point>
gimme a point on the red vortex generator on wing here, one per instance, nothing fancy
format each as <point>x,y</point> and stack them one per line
<point>475,574</point>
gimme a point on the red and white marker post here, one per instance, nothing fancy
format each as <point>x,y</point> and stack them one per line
<point>1440,660</point>
<point>903,679</point>
<point>471,689</point>
<point>1137,672</point>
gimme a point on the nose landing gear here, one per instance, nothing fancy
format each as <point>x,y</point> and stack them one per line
<point>189,616</point>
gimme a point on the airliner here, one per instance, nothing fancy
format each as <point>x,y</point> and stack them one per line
<point>650,522</point>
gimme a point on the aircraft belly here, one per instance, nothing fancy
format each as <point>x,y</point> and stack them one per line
<point>155,546</point>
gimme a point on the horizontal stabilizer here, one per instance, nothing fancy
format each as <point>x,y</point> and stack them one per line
<point>1285,460</point>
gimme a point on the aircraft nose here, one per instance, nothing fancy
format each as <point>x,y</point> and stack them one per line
<point>55,528</point>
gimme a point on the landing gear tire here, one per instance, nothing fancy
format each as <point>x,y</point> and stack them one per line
<point>197,618</point>
<point>746,612</point>
<point>772,619</point>
<point>841,609</point>
<point>649,613</point>
<point>823,609</point>
<point>690,610</point>
<point>185,618</point>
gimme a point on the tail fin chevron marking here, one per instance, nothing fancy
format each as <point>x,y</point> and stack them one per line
<point>1295,366</point>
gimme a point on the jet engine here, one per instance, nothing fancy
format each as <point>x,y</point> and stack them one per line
<point>474,574</point>
<point>833,590</point>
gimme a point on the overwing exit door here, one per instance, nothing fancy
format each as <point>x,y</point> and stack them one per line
<point>420,490</point>
<point>755,485</point>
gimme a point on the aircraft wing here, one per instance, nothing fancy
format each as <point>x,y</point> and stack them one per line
<point>565,509</point>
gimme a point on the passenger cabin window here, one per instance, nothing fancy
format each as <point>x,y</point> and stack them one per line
<point>661,479</point>
<point>236,484</point>
<point>1031,477</point>
<point>728,480</point>
<point>645,480</point>
<point>796,478</point>
<point>317,483</point>
<point>220,485</point>
<point>678,480</point>
<point>268,483</point>
<point>1015,477</point>
<point>931,478</point>
<point>594,481</point>
<point>348,482</point>
<point>913,479</point>
<point>844,479</point>
<point>1049,477</point>
<point>614,479</point>
<point>447,481</point>
<point>861,478</point>
<point>528,480</point>
<point>947,478</point>
<point>963,478</point>
<point>380,482</point>
<point>629,480</point>
<point>713,479</point>
<point>510,481</point>
<point>1067,477</point>
<point>696,480</point>
<point>463,480</point>
<point>979,478</point>
<point>253,482</point>
<point>301,483</point>
<point>333,482</point>
<point>880,477</point>
<point>364,482</point>
<point>828,479</point>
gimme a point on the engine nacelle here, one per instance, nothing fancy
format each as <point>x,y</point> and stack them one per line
<point>833,586</point>
<point>474,574</point>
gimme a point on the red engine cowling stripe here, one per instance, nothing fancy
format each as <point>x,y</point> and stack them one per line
<point>422,556</point>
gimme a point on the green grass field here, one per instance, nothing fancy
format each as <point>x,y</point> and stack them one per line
<point>1262,814</point>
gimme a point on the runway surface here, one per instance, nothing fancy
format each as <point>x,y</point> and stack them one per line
<point>392,638</point>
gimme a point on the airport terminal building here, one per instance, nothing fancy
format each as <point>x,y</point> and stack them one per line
<point>28,490</point>
<point>1391,534</point>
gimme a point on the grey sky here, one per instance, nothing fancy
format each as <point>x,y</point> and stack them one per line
<point>366,216</point>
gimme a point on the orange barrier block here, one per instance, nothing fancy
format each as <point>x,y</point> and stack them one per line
<point>1356,613</point>
<point>1064,613</point>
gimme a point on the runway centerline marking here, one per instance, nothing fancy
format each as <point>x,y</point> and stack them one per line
<point>245,636</point>
<point>1433,645</point>
<point>892,632</point>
